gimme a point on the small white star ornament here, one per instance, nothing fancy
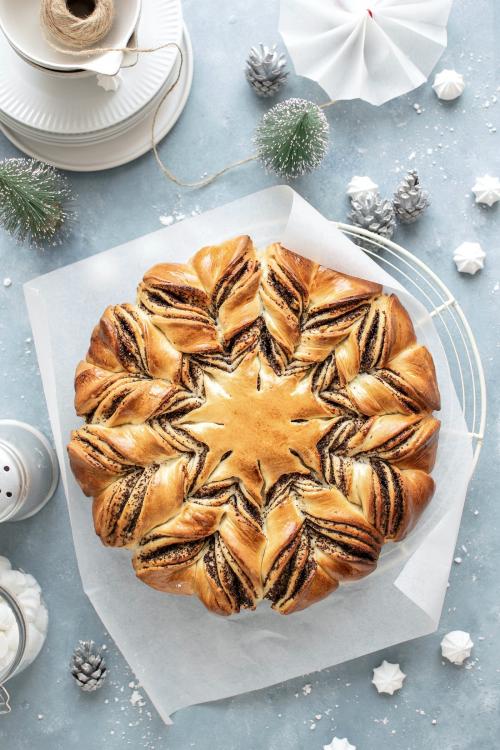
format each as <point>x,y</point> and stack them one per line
<point>487,190</point>
<point>449,85</point>
<point>456,646</point>
<point>469,257</point>
<point>339,744</point>
<point>361,186</point>
<point>109,83</point>
<point>388,678</point>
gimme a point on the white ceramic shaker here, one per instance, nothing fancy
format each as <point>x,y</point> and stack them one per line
<point>28,470</point>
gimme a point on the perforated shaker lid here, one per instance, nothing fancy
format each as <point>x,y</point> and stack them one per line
<point>12,481</point>
<point>28,470</point>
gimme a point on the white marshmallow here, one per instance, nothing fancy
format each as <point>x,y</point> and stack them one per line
<point>13,580</point>
<point>7,619</point>
<point>41,621</point>
<point>13,638</point>
<point>4,646</point>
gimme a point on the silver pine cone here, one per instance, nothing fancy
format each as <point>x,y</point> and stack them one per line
<point>410,200</point>
<point>88,666</point>
<point>371,212</point>
<point>266,70</point>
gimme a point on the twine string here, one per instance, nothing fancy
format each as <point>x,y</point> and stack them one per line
<point>77,23</point>
<point>102,50</point>
<point>166,171</point>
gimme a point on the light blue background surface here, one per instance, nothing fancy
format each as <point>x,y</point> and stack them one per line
<point>450,144</point>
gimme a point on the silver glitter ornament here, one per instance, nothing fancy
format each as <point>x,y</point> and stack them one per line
<point>292,138</point>
<point>373,213</point>
<point>88,666</point>
<point>410,200</point>
<point>266,70</point>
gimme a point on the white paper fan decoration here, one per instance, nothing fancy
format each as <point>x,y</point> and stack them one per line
<point>365,49</point>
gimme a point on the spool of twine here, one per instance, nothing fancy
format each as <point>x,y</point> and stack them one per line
<point>78,24</point>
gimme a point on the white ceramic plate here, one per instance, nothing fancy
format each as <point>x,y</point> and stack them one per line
<point>87,138</point>
<point>19,21</point>
<point>70,107</point>
<point>126,146</point>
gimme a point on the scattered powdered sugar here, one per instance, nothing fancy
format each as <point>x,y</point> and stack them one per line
<point>177,215</point>
<point>136,699</point>
<point>166,220</point>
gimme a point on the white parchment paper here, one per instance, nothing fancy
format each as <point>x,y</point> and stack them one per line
<point>374,50</point>
<point>182,653</point>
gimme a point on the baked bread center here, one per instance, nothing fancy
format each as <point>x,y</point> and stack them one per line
<point>259,425</point>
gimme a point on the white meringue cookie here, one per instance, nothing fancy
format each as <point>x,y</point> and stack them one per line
<point>456,646</point>
<point>388,678</point>
<point>339,744</point>
<point>449,85</point>
<point>469,257</point>
<point>487,190</point>
<point>361,186</point>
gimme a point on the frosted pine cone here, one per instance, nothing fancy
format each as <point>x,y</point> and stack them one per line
<point>88,666</point>
<point>266,70</point>
<point>410,201</point>
<point>373,213</point>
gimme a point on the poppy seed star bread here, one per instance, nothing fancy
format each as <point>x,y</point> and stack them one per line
<point>256,427</point>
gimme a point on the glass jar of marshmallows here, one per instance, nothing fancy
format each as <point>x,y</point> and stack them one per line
<point>23,623</point>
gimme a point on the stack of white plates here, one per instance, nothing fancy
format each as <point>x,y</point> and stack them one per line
<point>69,121</point>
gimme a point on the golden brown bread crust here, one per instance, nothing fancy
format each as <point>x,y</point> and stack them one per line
<point>257,426</point>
